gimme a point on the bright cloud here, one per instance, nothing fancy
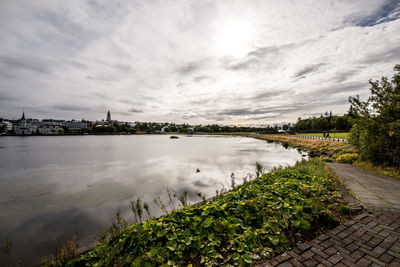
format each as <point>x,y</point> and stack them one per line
<point>192,61</point>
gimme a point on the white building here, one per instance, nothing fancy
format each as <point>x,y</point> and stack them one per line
<point>50,129</point>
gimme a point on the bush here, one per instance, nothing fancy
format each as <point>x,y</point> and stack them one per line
<point>347,158</point>
<point>326,159</point>
<point>265,216</point>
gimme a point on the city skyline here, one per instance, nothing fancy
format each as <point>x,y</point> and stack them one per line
<point>225,62</point>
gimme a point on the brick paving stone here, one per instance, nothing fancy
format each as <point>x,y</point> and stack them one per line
<point>341,250</point>
<point>375,260</point>
<point>351,247</point>
<point>363,262</point>
<point>330,251</point>
<point>386,258</point>
<point>335,258</point>
<point>319,252</point>
<point>395,263</point>
<point>283,257</point>
<point>357,255</point>
<point>307,254</point>
<point>369,240</point>
<point>296,256</point>
<point>326,243</point>
<point>285,264</point>
<point>348,263</point>
<point>295,262</point>
<point>322,237</point>
<point>304,247</point>
<point>317,258</point>
<point>309,263</point>
<point>375,241</point>
<point>378,251</point>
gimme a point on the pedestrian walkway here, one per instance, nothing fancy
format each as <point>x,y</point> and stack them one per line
<point>369,239</point>
<point>374,190</point>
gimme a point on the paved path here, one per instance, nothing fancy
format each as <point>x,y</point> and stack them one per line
<point>374,190</point>
<point>370,239</point>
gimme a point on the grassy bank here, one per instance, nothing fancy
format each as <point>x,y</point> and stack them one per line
<point>331,135</point>
<point>253,221</point>
<point>316,146</point>
<point>337,151</point>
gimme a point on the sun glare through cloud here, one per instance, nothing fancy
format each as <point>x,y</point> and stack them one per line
<point>233,37</point>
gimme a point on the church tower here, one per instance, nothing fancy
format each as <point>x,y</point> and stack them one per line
<point>108,116</point>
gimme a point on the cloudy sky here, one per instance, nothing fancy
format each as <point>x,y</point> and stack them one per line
<point>229,62</point>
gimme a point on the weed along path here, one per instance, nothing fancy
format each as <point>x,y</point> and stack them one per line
<point>369,239</point>
<point>375,191</point>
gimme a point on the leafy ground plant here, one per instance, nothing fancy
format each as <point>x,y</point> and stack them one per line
<point>257,219</point>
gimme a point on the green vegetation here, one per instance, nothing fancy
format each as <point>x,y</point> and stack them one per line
<point>324,123</point>
<point>347,158</point>
<point>257,219</point>
<point>376,131</point>
<point>332,135</point>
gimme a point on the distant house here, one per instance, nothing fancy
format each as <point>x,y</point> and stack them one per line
<point>165,129</point>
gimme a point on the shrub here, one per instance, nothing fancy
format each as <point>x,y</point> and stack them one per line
<point>346,209</point>
<point>264,216</point>
<point>326,159</point>
<point>347,158</point>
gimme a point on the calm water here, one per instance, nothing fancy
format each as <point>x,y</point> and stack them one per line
<point>53,187</point>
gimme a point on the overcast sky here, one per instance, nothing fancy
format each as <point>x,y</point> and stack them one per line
<point>228,62</point>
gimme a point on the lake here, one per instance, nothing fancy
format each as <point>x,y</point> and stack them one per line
<point>53,187</point>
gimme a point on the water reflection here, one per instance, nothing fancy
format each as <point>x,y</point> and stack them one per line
<point>53,187</point>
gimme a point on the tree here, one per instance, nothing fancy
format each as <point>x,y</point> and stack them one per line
<point>376,131</point>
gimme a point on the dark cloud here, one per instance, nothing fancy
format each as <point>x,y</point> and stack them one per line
<point>268,94</point>
<point>190,67</point>
<point>200,79</point>
<point>267,117</point>
<point>388,12</point>
<point>75,64</point>
<point>308,69</point>
<point>243,65</point>
<point>267,57</point>
<point>349,88</point>
<point>67,107</point>
<point>388,55</point>
<point>254,111</point>
<point>103,78</point>
<point>23,63</point>
<point>134,110</point>
<point>122,67</point>
<point>343,76</point>
<point>6,97</point>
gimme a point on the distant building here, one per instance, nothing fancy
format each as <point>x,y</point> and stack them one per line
<point>50,129</point>
<point>165,129</point>
<point>109,117</point>
<point>75,127</point>
<point>22,127</point>
<point>6,127</point>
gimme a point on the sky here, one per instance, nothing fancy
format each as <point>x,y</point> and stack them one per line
<point>224,62</point>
